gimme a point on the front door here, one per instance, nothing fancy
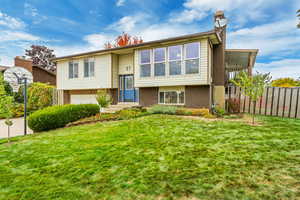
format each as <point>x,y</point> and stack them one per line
<point>127,90</point>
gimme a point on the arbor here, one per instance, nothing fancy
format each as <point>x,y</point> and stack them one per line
<point>123,40</point>
<point>285,82</point>
<point>252,86</point>
<point>41,55</point>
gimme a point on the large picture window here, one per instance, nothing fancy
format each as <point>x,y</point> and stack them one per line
<point>145,63</point>
<point>175,60</point>
<point>171,97</point>
<point>89,67</point>
<point>73,69</point>
<point>159,62</point>
<point>192,57</point>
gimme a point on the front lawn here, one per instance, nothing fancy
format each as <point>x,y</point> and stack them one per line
<point>156,157</point>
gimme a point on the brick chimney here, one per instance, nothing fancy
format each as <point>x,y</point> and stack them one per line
<point>21,61</point>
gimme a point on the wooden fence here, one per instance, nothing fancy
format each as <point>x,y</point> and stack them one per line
<point>276,101</point>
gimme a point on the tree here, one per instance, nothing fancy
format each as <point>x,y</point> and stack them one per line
<point>252,86</point>
<point>6,104</point>
<point>123,40</point>
<point>298,15</point>
<point>41,55</point>
<point>40,95</point>
<point>285,82</point>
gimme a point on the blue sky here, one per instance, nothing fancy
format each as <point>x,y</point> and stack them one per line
<point>72,26</point>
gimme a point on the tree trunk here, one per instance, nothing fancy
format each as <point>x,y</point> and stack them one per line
<point>8,133</point>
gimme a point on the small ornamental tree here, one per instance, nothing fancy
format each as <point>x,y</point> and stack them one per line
<point>41,55</point>
<point>103,99</point>
<point>123,40</point>
<point>252,86</point>
<point>6,104</point>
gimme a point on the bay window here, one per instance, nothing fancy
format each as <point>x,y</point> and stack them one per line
<point>192,56</point>
<point>159,62</point>
<point>73,70</point>
<point>171,97</point>
<point>89,67</point>
<point>175,60</point>
<point>145,63</point>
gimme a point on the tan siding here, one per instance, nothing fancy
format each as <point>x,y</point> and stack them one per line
<point>115,69</point>
<point>186,79</point>
<point>102,78</point>
<point>126,64</point>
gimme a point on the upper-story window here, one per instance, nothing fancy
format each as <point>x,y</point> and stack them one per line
<point>175,56</point>
<point>192,57</point>
<point>73,69</point>
<point>145,63</point>
<point>89,67</point>
<point>159,62</point>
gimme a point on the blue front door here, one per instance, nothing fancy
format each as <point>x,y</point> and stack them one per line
<point>127,91</point>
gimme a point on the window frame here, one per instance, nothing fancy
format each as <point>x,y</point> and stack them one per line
<point>89,60</point>
<point>176,60</point>
<point>178,97</point>
<point>195,58</point>
<point>159,62</point>
<point>140,62</point>
<point>73,64</point>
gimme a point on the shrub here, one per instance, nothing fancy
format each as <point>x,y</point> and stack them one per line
<point>103,98</point>
<point>39,96</point>
<point>233,105</point>
<point>218,111</point>
<point>131,113</point>
<point>58,116</point>
<point>162,109</point>
<point>17,110</point>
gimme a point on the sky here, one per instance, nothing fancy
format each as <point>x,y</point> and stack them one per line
<point>73,26</point>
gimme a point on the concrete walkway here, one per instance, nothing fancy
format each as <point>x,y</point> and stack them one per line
<point>15,130</point>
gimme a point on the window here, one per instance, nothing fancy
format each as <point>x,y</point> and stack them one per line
<point>89,67</point>
<point>159,62</point>
<point>175,60</point>
<point>145,63</point>
<point>171,97</point>
<point>73,70</point>
<point>192,58</point>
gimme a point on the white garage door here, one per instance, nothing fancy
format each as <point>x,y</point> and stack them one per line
<point>83,99</point>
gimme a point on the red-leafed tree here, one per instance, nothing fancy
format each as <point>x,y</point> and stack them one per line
<point>123,40</point>
<point>41,55</point>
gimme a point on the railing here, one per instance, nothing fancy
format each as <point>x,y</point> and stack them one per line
<point>276,101</point>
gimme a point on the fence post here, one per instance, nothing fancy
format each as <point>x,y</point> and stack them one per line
<point>272,101</point>
<point>291,100</point>
<point>278,99</point>
<point>266,104</point>
<point>240,91</point>
<point>284,102</point>
<point>297,102</point>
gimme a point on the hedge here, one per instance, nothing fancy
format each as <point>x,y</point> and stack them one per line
<point>58,116</point>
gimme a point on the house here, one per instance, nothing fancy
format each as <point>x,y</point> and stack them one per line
<point>39,73</point>
<point>190,70</point>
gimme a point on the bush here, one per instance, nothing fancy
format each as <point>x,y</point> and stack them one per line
<point>58,116</point>
<point>218,111</point>
<point>103,98</point>
<point>161,109</point>
<point>233,105</point>
<point>131,113</point>
<point>40,95</point>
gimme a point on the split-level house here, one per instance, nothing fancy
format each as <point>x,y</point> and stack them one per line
<point>190,70</point>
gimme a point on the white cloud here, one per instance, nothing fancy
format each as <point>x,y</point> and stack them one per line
<point>280,69</point>
<point>120,3</point>
<point>11,22</point>
<point>126,23</point>
<point>16,36</point>
<point>31,11</point>
<point>271,39</point>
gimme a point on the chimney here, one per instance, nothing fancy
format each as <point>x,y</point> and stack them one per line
<point>21,61</point>
<point>220,20</point>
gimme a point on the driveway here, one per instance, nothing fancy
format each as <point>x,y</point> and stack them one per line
<point>16,129</point>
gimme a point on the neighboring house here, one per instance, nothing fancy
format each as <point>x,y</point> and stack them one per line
<point>39,74</point>
<point>190,70</point>
<point>3,68</point>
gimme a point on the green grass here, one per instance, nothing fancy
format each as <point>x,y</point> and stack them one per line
<point>155,157</point>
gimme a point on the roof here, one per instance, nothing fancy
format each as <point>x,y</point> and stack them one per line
<point>46,70</point>
<point>236,59</point>
<point>3,68</point>
<point>189,36</point>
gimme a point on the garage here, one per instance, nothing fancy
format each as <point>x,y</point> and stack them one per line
<point>83,99</point>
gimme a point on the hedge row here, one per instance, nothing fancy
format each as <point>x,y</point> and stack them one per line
<point>58,116</point>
